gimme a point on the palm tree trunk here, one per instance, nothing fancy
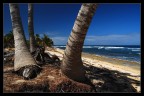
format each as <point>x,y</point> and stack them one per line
<point>31,28</point>
<point>23,57</point>
<point>72,65</point>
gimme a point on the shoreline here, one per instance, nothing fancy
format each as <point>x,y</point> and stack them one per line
<point>112,64</point>
<point>128,54</point>
<point>133,70</point>
<point>133,67</point>
<point>96,58</point>
<point>133,64</point>
<point>117,58</point>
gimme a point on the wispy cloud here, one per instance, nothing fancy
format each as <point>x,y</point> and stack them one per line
<point>129,39</point>
<point>41,35</point>
<point>51,34</point>
<point>133,38</point>
<point>60,40</point>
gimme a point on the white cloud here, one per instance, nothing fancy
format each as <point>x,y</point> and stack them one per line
<point>51,33</point>
<point>41,35</point>
<point>133,38</point>
<point>60,40</point>
<point>130,39</point>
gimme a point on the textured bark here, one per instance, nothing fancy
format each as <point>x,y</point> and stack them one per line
<point>31,28</point>
<point>72,65</point>
<point>23,57</point>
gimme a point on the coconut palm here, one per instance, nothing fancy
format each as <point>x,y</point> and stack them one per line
<point>38,40</point>
<point>72,65</point>
<point>47,41</point>
<point>9,40</point>
<point>31,28</point>
<point>44,41</point>
<point>23,58</point>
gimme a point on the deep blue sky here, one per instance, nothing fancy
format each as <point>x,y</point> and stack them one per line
<point>112,24</point>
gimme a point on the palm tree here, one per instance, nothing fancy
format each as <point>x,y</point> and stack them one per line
<point>23,58</point>
<point>72,65</point>
<point>31,28</point>
<point>9,40</point>
<point>47,41</point>
<point>38,40</point>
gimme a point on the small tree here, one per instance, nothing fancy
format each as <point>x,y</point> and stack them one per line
<point>47,41</point>
<point>38,40</point>
<point>9,40</point>
<point>44,41</point>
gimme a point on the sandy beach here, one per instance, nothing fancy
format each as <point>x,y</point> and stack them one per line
<point>108,75</point>
<point>109,63</point>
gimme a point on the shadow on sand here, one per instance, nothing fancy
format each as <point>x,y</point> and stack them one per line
<point>106,80</point>
<point>50,79</point>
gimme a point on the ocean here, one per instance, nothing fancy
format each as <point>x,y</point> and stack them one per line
<point>124,52</point>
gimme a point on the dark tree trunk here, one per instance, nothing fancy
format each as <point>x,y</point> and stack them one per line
<point>72,65</point>
<point>31,28</point>
<point>23,58</point>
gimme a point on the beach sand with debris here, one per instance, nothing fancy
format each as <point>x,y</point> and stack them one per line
<point>131,68</point>
<point>106,74</point>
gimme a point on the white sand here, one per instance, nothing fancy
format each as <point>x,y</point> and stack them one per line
<point>100,64</point>
<point>135,74</point>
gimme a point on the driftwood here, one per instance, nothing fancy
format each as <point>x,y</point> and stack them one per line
<point>29,72</point>
<point>8,56</point>
<point>42,58</point>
